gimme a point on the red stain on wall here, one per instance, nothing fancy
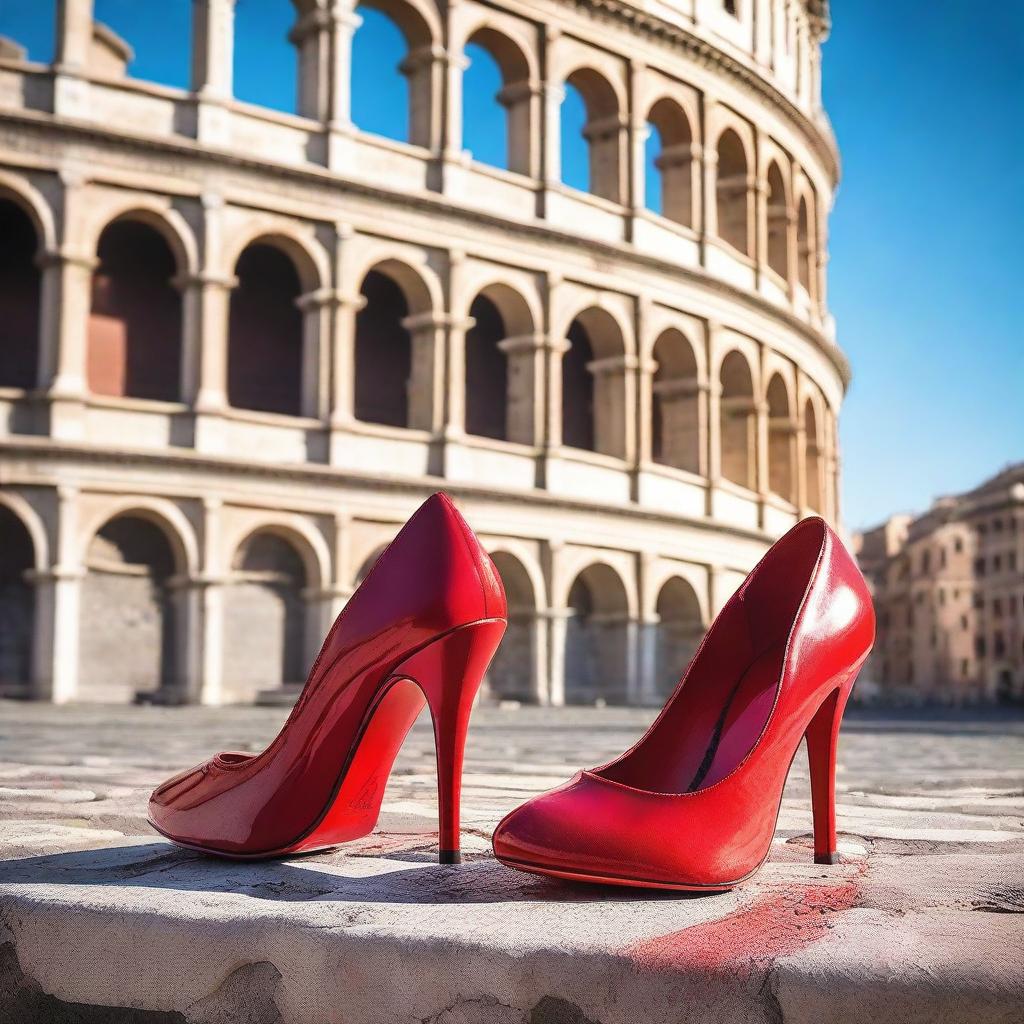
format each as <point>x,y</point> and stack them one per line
<point>774,925</point>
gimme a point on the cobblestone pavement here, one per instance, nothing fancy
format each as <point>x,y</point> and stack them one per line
<point>101,918</point>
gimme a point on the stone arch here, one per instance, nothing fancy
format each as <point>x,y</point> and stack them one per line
<point>598,637</point>
<point>35,207</point>
<point>154,213</point>
<point>733,195</point>
<point>781,436</point>
<point>813,450</point>
<point>420,26</point>
<point>594,408</point>
<point>680,629</point>
<point>499,371</point>
<point>267,619</point>
<point>805,248</point>
<point>134,340</point>
<point>132,617</point>
<point>268,343</point>
<point>674,162</point>
<point>738,421</point>
<point>514,98</point>
<point>603,131</point>
<point>20,292</point>
<point>22,545</point>
<point>777,214</point>
<point>512,673</point>
<point>677,403</point>
<point>397,299</point>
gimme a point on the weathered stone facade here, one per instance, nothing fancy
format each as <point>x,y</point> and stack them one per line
<point>241,345</point>
<point>949,594</point>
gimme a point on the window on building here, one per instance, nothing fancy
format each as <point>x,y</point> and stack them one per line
<point>1011,561</point>
<point>997,563</point>
<point>978,601</point>
<point>997,607</point>
<point>963,622</point>
<point>942,598</point>
<point>731,7</point>
<point>979,646</point>
<point>926,562</point>
<point>958,545</point>
<point>942,558</point>
<point>997,526</point>
<point>979,567</point>
<point>999,645</point>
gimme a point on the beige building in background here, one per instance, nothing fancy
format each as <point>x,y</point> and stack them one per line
<point>242,345</point>
<point>949,595</point>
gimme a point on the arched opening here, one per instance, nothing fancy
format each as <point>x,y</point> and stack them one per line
<point>578,390</point>
<point>680,630</point>
<point>812,457</point>
<point>670,168</point>
<point>496,98</point>
<point>17,605</point>
<point>484,117</point>
<point>272,80</point>
<point>594,385</point>
<point>19,298</point>
<point>265,333</point>
<point>264,618</point>
<point>511,675</point>
<point>383,353</point>
<point>590,112</point>
<point>391,44</point>
<point>597,638</point>
<point>486,372</point>
<point>804,246</point>
<point>732,192</point>
<point>781,478</point>
<point>738,433</point>
<point>161,57</point>
<point>128,630</point>
<point>778,223</point>
<point>134,334</point>
<point>676,405</point>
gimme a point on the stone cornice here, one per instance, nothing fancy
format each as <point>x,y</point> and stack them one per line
<point>39,449</point>
<point>428,202</point>
<point>703,52</point>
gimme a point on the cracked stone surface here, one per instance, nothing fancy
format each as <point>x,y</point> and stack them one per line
<point>102,920</point>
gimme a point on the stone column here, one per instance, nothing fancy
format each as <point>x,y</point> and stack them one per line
<point>709,193</point>
<point>637,134</point>
<point>760,454</point>
<point>800,444</point>
<point>614,392</point>
<point>343,369</point>
<point>207,335</point>
<point>760,225</point>
<point>64,338</point>
<point>58,593</point>
<point>608,138</point>
<point>210,624</point>
<point>74,31</point>
<point>427,379</point>
<point>684,404</point>
<point>213,46</point>
<point>680,183</point>
<point>424,67</point>
<point>522,102</point>
<point>713,457</point>
<point>187,605</point>
<point>316,310</point>
<point>556,621</point>
<point>647,660</point>
<point>526,356</point>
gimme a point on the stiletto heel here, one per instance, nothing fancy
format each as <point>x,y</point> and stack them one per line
<point>693,805</point>
<point>822,740</point>
<point>449,672</point>
<point>420,629</point>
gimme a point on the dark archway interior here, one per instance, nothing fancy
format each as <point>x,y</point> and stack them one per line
<point>383,353</point>
<point>486,372</point>
<point>17,602</point>
<point>265,333</point>
<point>578,390</point>
<point>19,298</point>
<point>135,316</point>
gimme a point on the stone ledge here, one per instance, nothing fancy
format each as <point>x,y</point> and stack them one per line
<point>101,922</point>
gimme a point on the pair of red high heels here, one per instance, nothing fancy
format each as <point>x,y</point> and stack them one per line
<point>692,805</point>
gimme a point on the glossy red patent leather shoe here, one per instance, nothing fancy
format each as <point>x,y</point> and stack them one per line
<point>694,804</point>
<point>421,629</point>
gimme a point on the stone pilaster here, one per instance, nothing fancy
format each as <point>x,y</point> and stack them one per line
<point>213,45</point>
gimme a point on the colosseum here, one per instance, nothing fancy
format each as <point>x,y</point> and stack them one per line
<point>240,346</point>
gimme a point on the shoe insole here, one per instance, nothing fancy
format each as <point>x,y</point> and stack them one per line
<point>742,718</point>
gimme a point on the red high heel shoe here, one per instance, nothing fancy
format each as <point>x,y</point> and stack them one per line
<point>421,629</point>
<point>694,804</point>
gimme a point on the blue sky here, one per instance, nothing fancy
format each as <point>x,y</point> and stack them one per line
<point>926,261</point>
